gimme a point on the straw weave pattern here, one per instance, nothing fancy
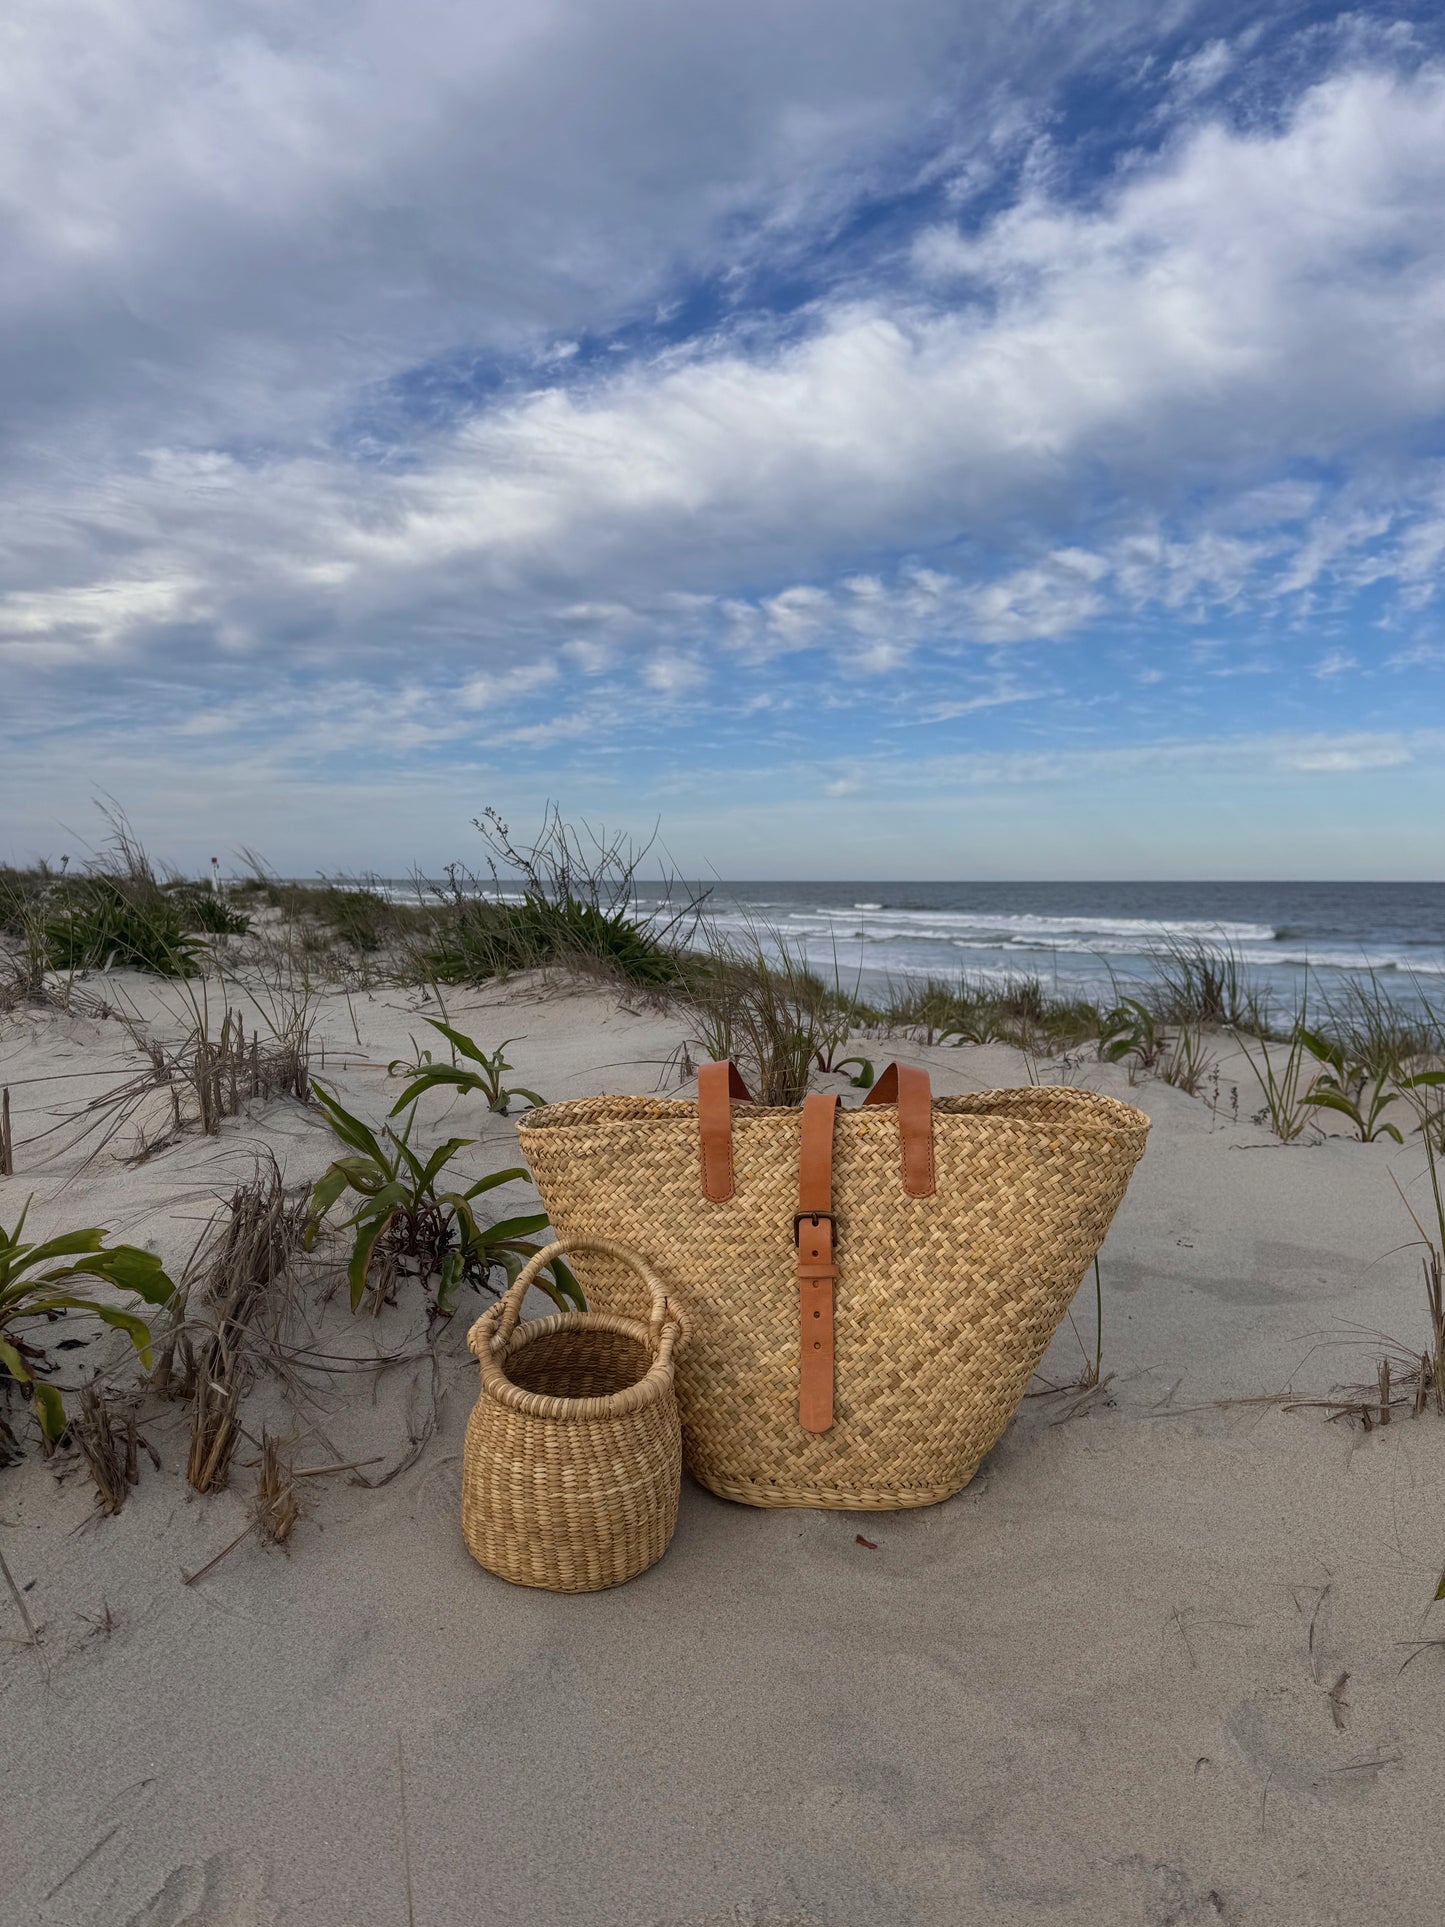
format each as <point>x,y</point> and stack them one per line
<point>573,1452</point>
<point>943,1305</point>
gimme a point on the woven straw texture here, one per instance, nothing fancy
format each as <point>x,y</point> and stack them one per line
<point>943,1304</point>
<point>573,1453</point>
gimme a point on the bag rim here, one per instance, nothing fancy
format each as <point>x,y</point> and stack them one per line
<point>1076,1110</point>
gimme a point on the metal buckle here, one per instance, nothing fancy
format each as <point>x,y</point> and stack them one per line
<point>813,1217</point>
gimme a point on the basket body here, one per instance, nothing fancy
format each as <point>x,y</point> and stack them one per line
<point>944,1303</point>
<point>586,1498</point>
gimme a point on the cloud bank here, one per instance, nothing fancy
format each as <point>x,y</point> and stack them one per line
<point>631,403</point>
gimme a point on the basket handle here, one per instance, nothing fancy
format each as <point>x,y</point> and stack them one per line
<point>719,1085</point>
<point>907,1086</point>
<point>511,1305</point>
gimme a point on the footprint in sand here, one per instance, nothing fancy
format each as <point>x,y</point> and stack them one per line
<point>1286,1737</point>
<point>223,1891</point>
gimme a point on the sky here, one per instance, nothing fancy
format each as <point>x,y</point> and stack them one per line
<point>921,441</point>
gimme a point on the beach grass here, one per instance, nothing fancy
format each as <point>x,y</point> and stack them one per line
<point>119,911</point>
<point>575,909</point>
<point>1283,1076</point>
<point>966,1009</point>
<point>234,1303</point>
<point>1202,983</point>
<point>754,1000</point>
<point>564,902</point>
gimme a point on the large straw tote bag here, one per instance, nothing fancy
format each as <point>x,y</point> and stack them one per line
<point>869,1290</point>
<point>573,1453</point>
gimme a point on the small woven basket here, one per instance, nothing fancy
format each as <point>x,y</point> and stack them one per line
<point>573,1454</point>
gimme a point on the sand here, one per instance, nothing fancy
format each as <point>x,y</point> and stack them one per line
<point>1149,1667</point>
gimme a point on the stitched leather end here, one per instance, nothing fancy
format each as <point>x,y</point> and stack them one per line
<point>717,1086</point>
<point>908,1087</point>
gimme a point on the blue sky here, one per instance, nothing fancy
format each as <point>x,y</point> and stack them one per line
<point>916,441</point>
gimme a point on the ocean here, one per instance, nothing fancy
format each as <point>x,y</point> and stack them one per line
<point>1084,936</point>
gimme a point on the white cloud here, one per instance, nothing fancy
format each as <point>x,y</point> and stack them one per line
<point>1335,662</point>
<point>1201,72</point>
<point>1241,758</point>
<point>98,614</point>
<point>1350,757</point>
<point>263,210</point>
<point>591,657</point>
<point>1420,655</point>
<point>671,674</point>
<point>1251,297</point>
<point>947,712</point>
<point>492,688</point>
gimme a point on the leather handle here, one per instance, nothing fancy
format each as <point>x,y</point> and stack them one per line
<point>717,1086</point>
<point>813,1230</point>
<point>908,1087</point>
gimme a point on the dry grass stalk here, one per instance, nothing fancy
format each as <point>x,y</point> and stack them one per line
<point>235,1274</point>
<point>276,1506</point>
<point>208,1075</point>
<point>32,1631</point>
<point>214,1432</point>
<point>1410,1383</point>
<point>227,1070</point>
<point>174,1373</point>
<point>101,1624</point>
<point>106,1431</point>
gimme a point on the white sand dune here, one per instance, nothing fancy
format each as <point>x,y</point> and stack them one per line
<point>1149,1667</point>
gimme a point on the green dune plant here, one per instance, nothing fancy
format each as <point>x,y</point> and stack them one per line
<point>1429,1374</point>
<point>22,934</point>
<point>1134,1034</point>
<point>347,928</point>
<point>1131,1034</point>
<point>358,913</point>
<point>978,1010</point>
<point>486,939</point>
<point>406,1223</point>
<point>41,1283</point>
<point>1350,1089</point>
<point>100,924</point>
<point>485,1080</point>
<point>1375,1054</point>
<point>1202,983</point>
<point>1185,1063</point>
<point>828,1061</point>
<point>1377,1035</point>
<point>565,899</point>
<point>755,1001</point>
<point>118,912</point>
<point>1283,1079</point>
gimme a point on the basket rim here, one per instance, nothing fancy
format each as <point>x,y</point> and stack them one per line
<point>656,1382</point>
<point>1094,1112</point>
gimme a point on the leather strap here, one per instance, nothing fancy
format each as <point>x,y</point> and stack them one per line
<point>813,1229</point>
<point>717,1086</point>
<point>907,1087</point>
